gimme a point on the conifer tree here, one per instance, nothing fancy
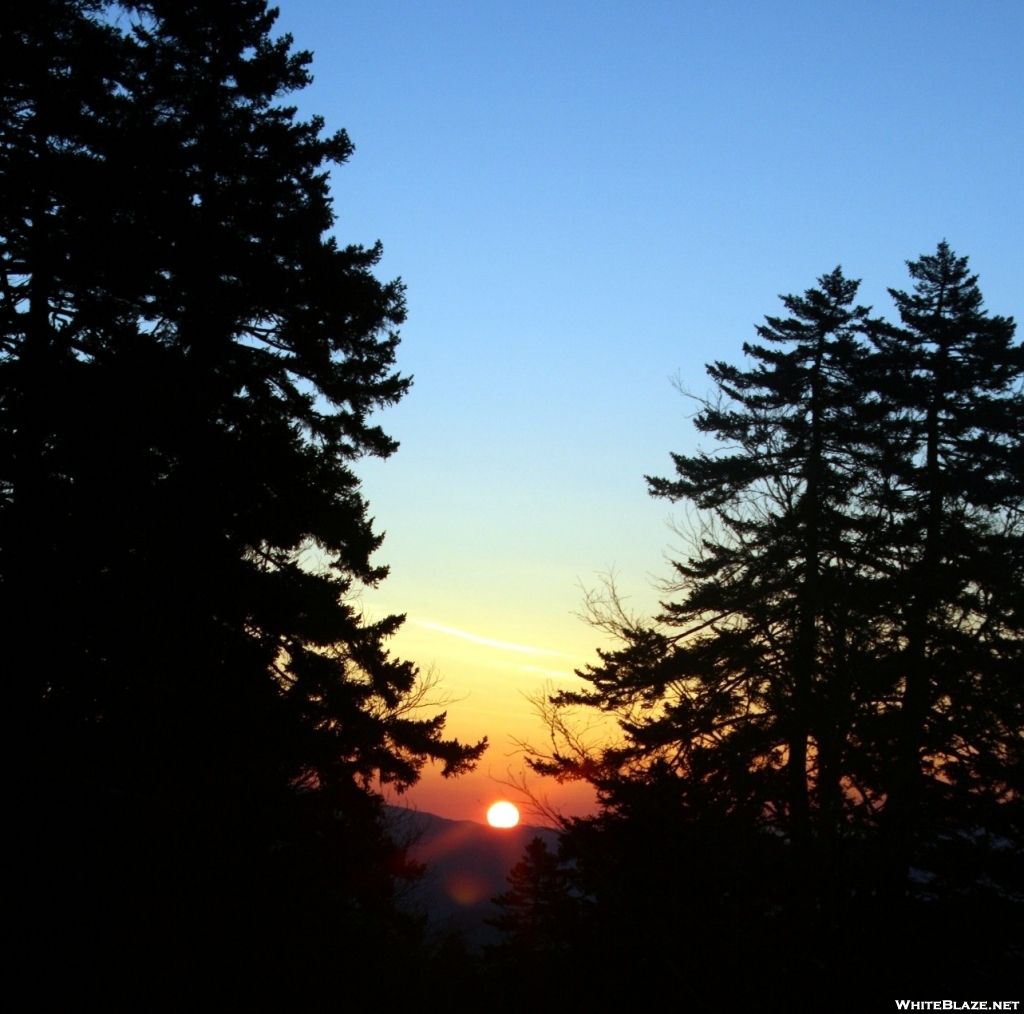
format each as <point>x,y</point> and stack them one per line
<point>952,465</point>
<point>840,667</point>
<point>743,700</point>
<point>794,416</point>
<point>538,908</point>
<point>188,365</point>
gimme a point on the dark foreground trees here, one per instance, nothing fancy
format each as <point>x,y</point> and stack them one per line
<point>821,744</point>
<point>538,909</point>
<point>195,712</point>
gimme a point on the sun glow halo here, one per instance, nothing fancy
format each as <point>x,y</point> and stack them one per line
<point>502,814</point>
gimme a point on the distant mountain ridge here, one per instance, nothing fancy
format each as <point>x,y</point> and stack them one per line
<point>467,865</point>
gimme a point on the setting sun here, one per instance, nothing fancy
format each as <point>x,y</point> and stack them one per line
<point>503,815</point>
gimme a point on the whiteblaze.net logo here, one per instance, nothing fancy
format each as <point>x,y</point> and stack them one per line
<point>957,1004</point>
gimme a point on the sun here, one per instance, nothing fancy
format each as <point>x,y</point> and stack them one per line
<point>502,815</point>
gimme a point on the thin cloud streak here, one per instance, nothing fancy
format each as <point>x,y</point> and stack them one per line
<point>503,645</point>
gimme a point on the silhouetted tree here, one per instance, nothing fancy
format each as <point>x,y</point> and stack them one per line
<point>746,690</point>
<point>794,417</point>
<point>188,364</point>
<point>538,908</point>
<point>836,689</point>
<point>949,462</point>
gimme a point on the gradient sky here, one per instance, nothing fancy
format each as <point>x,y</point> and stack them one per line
<point>586,199</point>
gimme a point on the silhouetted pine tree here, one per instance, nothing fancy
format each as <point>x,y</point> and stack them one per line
<point>752,699</point>
<point>195,710</point>
<point>949,456</point>
<point>785,568</point>
<point>539,907</point>
<point>836,691</point>
<point>546,957</point>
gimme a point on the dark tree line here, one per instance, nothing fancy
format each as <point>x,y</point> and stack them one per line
<point>196,715</point>
<point>821,753</point>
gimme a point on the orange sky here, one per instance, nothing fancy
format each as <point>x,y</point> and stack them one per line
<point>486,678</point>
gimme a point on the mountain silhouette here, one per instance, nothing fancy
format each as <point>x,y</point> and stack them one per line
<point>467,865</point>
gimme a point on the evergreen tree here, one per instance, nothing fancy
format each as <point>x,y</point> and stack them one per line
<point>836,689</point>
<point>950,457</point>
<point>794,416</point>
<point>538,907</point>
<point>188,364</point>
<point>751,699</point>
<point>546,940</point>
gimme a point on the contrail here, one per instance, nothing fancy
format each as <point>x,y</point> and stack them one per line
<point>503,645</point>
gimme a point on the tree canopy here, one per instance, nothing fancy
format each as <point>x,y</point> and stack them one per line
<point>832,694</point>
<point>189,362</point>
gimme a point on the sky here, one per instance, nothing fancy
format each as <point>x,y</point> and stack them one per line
<point>588,202</point>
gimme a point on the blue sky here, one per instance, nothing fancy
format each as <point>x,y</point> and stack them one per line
<point>586,199</point>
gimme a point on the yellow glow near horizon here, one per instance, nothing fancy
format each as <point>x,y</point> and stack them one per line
<point>503,814</point>
<point>487,689</point>
<point>558,673</point>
